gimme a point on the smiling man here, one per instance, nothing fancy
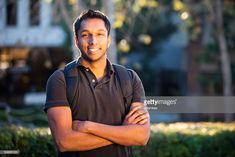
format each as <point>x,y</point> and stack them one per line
<point>105,114</point>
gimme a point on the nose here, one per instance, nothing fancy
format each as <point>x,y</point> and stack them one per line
<point>92,40</point>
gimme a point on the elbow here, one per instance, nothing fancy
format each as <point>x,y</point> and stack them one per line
<point>61,145</point>
<point>143,141</point>
<point>144,138</point>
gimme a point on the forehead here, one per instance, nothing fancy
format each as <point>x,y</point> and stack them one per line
<point>93,24</point>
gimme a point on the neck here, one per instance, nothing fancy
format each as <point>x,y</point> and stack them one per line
<point>97,67</point>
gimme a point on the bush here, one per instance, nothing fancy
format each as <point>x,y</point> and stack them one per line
<point>30,142</point>
<point>189,140</point>
<point>172,140</point>
<point>181,145</point>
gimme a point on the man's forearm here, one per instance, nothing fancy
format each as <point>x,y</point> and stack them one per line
<point>77,141</point>
<point>125,135</point>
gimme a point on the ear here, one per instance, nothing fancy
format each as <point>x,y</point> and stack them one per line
<point>109,40</point>
<point>76,40</point>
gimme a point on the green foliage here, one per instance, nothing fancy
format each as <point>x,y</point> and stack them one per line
<point>154,21</point>
<point>200,26</point>
<point>172,140</point>
<point>3,116</point>
<point>194,140</point>
<point>27,115</point>
<point>30,142</point>
<point>178,145</point>
<point>229,22</point>
<point>143,28</point>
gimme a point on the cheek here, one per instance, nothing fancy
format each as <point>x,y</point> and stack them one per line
<point>82,48</point>
<point>104,42</point>
<point>82,44</point>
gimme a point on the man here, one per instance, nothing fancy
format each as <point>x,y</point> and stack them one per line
<point>95,123</point>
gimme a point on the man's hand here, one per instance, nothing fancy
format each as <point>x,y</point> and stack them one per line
<point>138,114</point>
<point>64,135</point>
<point>134,131</point>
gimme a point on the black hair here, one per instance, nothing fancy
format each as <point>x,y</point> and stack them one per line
<point>89,14</point>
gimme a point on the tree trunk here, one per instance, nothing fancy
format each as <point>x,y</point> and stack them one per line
<point>193,85</point>
<point>109,11</point>
<point>225,61</point>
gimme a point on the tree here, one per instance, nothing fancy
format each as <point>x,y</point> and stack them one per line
<point>109,11</point>
<point>210,13</point>
<point>225,61</point>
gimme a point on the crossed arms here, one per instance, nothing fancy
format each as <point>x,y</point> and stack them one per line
<point>87,135</point>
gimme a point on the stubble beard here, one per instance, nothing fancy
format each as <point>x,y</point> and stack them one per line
<point>90,60</point>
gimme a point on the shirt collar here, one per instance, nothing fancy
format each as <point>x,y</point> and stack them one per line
<point>109,66</point>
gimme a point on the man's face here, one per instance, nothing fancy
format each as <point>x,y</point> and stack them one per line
<point>93,39</point>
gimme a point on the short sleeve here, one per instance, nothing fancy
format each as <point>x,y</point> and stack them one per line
<point>56,91</point>
<point>138,88</point>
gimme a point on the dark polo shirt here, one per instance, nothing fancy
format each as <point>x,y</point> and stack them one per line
<point>98,101</point>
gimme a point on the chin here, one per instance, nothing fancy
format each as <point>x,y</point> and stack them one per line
<point>97,59</point>
<point>94,58</point>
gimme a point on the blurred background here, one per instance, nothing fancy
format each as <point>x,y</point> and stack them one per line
<point>177,47</point>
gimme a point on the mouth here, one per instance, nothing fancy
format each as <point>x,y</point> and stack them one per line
<point>93,50</point>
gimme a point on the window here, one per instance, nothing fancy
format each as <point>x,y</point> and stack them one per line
<point>34,12</point>
<point>11,12</point>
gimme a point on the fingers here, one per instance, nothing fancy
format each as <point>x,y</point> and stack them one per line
<point>142,122</point>
<point>143,118</point>
<point>137,114</point>
<point>133,109</point>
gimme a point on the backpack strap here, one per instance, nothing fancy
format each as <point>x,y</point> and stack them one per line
<point>125,83</point>
<point>71,79</point>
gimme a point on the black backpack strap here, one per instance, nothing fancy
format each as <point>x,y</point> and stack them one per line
<point>125,83</point>
<point>71,78</point>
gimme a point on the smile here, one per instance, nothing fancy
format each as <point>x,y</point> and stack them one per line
<point>93,49</point>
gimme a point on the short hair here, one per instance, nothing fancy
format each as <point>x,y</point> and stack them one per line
<point>90,14</point>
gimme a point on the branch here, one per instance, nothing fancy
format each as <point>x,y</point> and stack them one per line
<point>65,15</point>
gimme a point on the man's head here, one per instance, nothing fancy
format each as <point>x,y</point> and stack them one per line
<point>90,14</point>
<point>92,29</point>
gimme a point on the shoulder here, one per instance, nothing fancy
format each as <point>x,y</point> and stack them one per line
<point>57,76</point>
<point>132,73</point>
<point>72,64</point>
<point>56,90</point>
<point>124,70</point>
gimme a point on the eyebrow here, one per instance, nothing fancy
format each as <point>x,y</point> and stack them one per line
<point>99,30</point>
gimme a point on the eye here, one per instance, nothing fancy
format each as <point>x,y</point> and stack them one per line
<point>100,34</point>
<point>84,35</point>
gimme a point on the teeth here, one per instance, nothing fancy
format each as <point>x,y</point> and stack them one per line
<point>93,49</point>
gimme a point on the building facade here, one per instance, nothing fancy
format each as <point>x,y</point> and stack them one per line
<point>31,47</point>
